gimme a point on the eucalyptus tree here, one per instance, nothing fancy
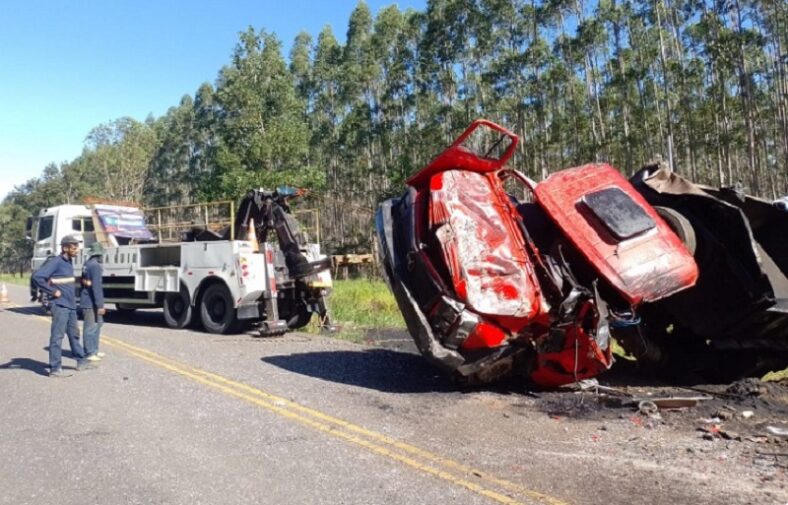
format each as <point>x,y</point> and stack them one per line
<point>327,110</point>
<point>360,96</point>
<point>260,119</point>
<point>122,151</point>
<point>205,143</point>
<point>169,181</point>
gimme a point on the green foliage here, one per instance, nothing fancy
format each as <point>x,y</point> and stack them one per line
<point>361,305</point>
<point>121,152</point>
<point>19,279</point>
<point>15,249</point>
<point>260,115</point>
<point>238,181</point>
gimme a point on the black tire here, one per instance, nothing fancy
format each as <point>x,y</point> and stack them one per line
<point>300,319</point>
<point>681,226</point>
<point>178,309</point>
<point>217,310</point>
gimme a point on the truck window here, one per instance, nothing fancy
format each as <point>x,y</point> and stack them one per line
<point>82,224</point>
<point>45,227</point>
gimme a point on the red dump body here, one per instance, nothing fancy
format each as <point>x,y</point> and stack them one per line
<point>619,233</point>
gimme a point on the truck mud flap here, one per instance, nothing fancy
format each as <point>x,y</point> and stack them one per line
<point>249,311</point>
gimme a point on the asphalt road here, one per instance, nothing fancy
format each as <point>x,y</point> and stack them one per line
<point>182,417</point>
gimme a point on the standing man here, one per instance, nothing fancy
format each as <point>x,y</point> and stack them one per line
<point>91,301</point>
<point>56,278</point>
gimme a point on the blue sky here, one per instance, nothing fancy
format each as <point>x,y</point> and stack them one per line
<point>67,66</point>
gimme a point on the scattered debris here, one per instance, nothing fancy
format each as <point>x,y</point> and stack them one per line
<point>774,454</point>
<point>747,387</point>
<point>677,402</point>
<point>746,414</point>
<point>730,435</point>
<point>780,431</point>
<point>648,408</point>
<point>713,429</point>
<point>724,414</point>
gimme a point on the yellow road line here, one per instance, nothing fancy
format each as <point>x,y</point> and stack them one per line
<point>338,428</point>
<point>351,427</point>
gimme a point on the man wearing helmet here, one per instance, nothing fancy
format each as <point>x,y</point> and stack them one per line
<point>56,278</point>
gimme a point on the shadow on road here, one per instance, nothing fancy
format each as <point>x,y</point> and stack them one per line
<point>37,367</point>
<point>30,310</point>
<point>380,369</point>
<point>152,318</point>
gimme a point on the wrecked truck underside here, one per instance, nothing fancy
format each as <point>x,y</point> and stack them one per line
<point>734,322</point>
<point>491,286</point>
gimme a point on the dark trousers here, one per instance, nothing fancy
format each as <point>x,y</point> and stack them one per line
<point>91,329</point>
<point>64,322</point>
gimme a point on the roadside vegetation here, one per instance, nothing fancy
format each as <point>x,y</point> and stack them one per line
<point>360,307</point>
<point>22,280</point>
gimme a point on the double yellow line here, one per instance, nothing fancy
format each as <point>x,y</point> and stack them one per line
<point>474,480</point>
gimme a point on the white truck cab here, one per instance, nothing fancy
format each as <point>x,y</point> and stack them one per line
<point>54,223</point>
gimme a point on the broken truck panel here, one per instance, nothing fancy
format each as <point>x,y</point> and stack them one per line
<point>618,232</point>
<point>473,224</point>
<point>490,286</point>
<point>464,153</point>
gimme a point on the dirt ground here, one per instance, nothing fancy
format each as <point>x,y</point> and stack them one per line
<point>745,421</point>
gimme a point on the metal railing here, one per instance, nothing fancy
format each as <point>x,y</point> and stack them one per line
<point>169,223</point>
<point>309,219</point>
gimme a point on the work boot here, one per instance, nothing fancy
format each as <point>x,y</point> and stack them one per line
<point>85,365</point>
<point>60,373</point>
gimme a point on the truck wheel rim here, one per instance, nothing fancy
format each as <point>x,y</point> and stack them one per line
<point>218,309</point>
<point>178,308</point>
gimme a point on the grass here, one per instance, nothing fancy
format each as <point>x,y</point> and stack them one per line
<point>360,305</point>
<point>15,279</point>
<point>776,376</point>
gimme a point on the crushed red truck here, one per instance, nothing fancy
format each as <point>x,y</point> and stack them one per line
<point>688,279</point>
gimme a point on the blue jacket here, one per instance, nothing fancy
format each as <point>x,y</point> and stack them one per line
<point>57,274</point>
<point>92,294</point>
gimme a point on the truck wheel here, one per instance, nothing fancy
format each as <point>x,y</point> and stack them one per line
<point>217,310</point>
<point>178,309</point>
<point>681,226</point>
<point>300,319</point>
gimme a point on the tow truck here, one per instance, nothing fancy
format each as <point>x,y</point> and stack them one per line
<point>223,274</point>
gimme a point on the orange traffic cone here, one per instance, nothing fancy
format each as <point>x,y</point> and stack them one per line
<point>4,294</point>
<point>251,236</point>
